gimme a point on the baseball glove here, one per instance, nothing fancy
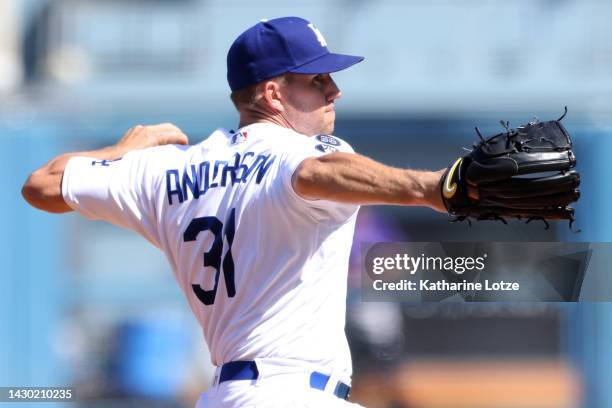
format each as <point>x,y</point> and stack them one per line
<point>526,173</point>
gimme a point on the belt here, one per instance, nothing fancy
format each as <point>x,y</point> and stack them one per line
<point>247,370</point>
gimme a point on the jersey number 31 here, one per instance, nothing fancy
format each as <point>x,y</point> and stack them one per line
<point>213,257</point>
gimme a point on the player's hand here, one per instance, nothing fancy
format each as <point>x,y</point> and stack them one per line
<point>141,137</point>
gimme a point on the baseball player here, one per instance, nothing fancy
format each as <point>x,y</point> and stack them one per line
<point>257,222</point>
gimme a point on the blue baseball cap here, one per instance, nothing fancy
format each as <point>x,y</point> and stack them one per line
<point>274,47</point>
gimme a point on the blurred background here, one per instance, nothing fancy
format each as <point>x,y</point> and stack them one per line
<point>92,306</point>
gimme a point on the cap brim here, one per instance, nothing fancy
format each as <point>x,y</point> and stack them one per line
<point>328,63</point>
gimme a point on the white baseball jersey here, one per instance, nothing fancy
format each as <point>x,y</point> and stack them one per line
<point>264,270</point>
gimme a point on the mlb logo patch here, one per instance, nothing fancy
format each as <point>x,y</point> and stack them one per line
<point>239,138</point>
<point>330,140</point>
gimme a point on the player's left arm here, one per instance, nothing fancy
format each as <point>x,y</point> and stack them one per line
<point>43,189</point>
<point>356,179</point>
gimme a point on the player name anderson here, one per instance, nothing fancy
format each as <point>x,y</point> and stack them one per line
<point>429,285</point>
<point>219,173</point>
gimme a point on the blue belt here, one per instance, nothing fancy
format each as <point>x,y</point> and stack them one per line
<point>247,370</point>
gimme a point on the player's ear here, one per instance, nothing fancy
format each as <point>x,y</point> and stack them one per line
<point>272,95</point>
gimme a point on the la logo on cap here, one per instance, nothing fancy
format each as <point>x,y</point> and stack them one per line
<point>320,37</point>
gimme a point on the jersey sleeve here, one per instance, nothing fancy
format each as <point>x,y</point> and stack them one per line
<point>320,210</point>
<point>119,191</point>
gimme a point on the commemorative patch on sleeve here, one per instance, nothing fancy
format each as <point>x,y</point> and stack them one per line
<point>328,139</point>
<point>326,148</point>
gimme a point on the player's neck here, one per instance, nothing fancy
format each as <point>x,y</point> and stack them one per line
<point>257,117</point>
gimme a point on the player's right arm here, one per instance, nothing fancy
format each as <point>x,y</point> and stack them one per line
<point>354,179</point>
<point>43,189</point>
